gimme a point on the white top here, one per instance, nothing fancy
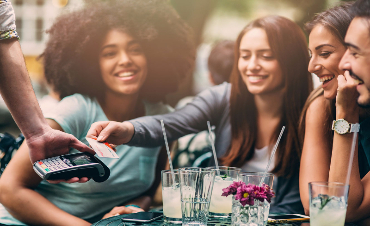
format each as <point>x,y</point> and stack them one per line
<point>258,162</point>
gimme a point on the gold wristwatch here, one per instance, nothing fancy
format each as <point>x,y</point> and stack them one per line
<point>341,126</point>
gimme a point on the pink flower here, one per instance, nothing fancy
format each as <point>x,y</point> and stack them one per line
<point>231,190</point>
<point>269,193</point>
<point>260,193</point>
<point>246,194</point>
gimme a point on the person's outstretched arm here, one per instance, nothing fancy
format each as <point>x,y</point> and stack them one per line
<point>210,105</point>
<point>17,92</point>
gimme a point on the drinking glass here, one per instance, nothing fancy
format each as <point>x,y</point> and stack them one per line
<point>171,197</point>
<point>220,206</point>
<point>196,189</point>
<point>256,214</point>
<point>328,203</point>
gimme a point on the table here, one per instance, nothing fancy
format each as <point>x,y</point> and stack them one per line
<point>116,221</point>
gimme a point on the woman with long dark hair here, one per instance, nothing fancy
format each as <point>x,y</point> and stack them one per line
<point>269,85</point>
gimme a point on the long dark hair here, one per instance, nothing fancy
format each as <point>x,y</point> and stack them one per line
<point>336,20</point>
<point>288,44</point>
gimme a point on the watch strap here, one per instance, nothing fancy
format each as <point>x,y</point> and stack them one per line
<point>355,127</point>
<point>332,125</point>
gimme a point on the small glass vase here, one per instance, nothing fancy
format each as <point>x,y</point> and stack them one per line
<point>247,215</point>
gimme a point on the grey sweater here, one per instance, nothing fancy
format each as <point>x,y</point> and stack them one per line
<point>210,105</point>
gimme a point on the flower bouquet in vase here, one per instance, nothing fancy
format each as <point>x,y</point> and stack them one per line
<point>251,202</point>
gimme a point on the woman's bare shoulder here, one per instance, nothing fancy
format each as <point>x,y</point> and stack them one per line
<point>318,108</point>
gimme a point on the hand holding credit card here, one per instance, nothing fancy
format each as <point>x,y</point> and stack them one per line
<point>103,150</point>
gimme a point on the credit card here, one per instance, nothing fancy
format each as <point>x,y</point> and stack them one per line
<point>103,150</point>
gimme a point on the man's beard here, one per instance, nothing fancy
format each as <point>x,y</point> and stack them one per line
<point>364,105</point>
<point>359,81</point>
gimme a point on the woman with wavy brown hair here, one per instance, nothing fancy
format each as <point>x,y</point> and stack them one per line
<point>269,86</point>
<point>112,60</point>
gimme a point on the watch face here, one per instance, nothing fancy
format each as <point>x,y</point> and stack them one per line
<point>341,126</point>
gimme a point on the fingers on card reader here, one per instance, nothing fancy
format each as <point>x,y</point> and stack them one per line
<point>67,166</point>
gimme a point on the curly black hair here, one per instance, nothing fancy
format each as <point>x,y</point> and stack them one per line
<point>71,54</point>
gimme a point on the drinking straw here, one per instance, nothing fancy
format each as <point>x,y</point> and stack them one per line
<point>213,147</point>
<point>168,152</point>
<point>272,155</point>
<point>351,157</point>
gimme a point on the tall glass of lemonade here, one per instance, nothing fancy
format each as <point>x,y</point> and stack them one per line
<point>171,197</point>
<point>328,203</point>
<point>220,206</point>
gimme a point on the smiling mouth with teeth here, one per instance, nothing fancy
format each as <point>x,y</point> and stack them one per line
<point>256,78</point>
<point>326,79</point>
<point>126,74</point>
<point>357,79</point>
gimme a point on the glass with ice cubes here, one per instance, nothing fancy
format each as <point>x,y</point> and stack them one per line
<point>328,203</point>
<point>220,206</point>
<point>171,197</point>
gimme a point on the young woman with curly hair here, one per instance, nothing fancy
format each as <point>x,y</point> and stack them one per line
<point>269,86</point>
<point>109,61</point>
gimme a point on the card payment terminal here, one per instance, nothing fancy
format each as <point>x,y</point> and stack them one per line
<point>72,165</point>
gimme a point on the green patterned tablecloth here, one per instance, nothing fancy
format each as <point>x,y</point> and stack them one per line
<point>116,221</point>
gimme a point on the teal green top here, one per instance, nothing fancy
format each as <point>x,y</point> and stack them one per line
<point>364,147</point>
<point>131,175</point>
